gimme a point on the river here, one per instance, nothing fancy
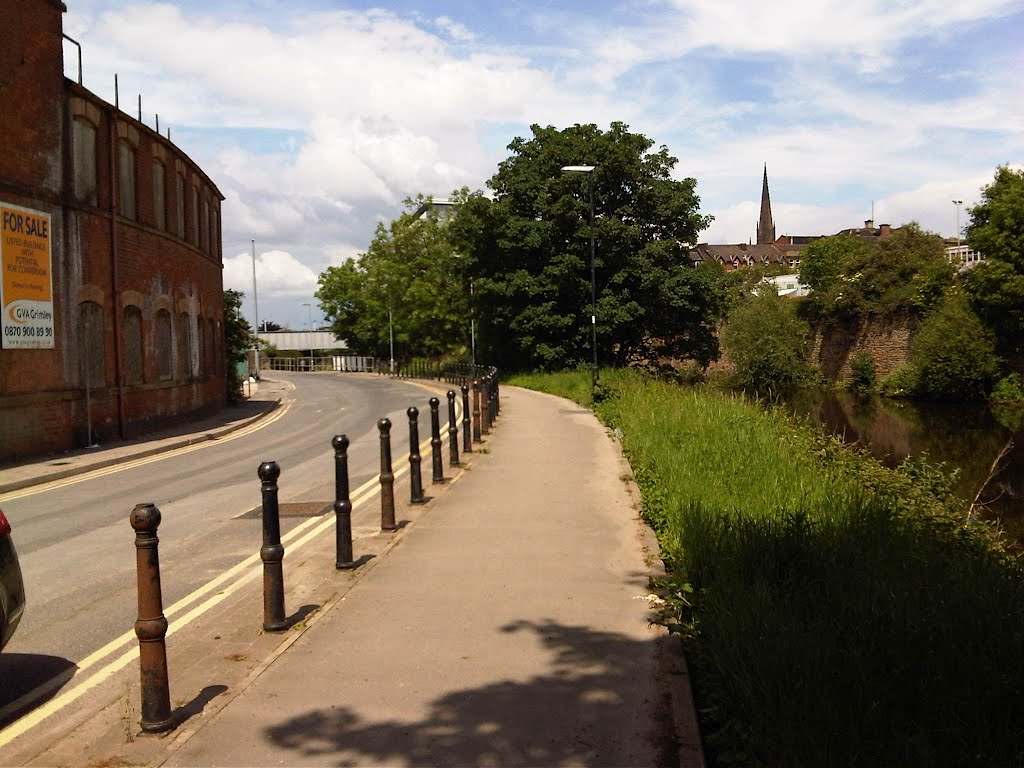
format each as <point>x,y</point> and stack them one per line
<point>965,436</point>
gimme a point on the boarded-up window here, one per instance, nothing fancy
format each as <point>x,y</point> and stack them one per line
<point>83,138</point>
<point>91,345</point>
<point>214,232</point>
<point>132,345</point>
<point>180,198</point>
<point>164,368</point>
<point>159,202</point>
<point>184,348</point>
<point>126,179</point>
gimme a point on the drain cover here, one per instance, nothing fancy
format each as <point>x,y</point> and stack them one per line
<point>294,509</point>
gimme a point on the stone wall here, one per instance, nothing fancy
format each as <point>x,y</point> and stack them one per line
<point>886,339</point>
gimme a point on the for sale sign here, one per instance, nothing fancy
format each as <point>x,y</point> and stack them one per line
<point>26,291</point>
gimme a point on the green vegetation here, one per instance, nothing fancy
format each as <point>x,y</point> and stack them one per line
<point>409,280</point>
<point>768,344</point>
<point>905,272</point>
<point>996,286</point>
<point>863,377</point>
<point>528,254</point>
<point>237,341</point>
<point>954,353</point>
<point>835,613</point>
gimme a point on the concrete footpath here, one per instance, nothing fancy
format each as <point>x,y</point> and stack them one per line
<point>505,624</point>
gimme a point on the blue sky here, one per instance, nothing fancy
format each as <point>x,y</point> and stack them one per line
<point>316,119</point>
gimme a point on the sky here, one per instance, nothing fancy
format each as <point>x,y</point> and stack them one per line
<point>317,119</point>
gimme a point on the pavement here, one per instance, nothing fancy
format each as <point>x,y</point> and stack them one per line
<point>507,622</point>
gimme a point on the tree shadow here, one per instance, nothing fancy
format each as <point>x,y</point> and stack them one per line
<point>597,704</point>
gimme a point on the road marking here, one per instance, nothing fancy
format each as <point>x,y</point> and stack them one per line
<point>296,538</point>
<point>133,463</point>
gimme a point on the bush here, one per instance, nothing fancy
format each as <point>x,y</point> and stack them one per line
<point>768,344</point>
<point>902,382</point>
<point>1009,389</point>
<point>954,353</point>
<point>862,373</point>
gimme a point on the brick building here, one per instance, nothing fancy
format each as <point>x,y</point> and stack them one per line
<point>112,290</point>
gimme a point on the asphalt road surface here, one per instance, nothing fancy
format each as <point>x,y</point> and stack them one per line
<point>77,548</point>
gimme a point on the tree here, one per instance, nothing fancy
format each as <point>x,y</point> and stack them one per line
<point>528,254</point>
<point>409,279</point>
<point>905,272</point>
<point>237,342</point>
<point>954,354</point>
<point>996,285</point>
<point>768,343</point>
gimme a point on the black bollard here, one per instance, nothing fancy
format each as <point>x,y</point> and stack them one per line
<point>387,478</point>
<point>492,399</point>
<point>453,431</point>
<point>415,476</point>
<point>342,505</point>
<point>272,552</point>
<point>467,435</point>
<point>435,440</point>
<point>485,406</point>
<point>477,433</point>
<point>151,625</point>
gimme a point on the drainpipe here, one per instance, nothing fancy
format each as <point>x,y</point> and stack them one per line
<point>115,193</point>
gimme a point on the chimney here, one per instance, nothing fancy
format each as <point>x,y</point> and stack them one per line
<point>869,224</point>
<point>884,230</point>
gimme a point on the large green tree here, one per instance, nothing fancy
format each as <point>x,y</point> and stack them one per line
<point>905,272</point>
<point>996,285</point>
<point>528,253</point>
<point>408,280</point>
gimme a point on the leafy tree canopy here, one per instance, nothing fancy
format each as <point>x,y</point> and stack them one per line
<point>996,285</point>
<point>528,253</point>
<point>409,279</point>
<point>849,277</point>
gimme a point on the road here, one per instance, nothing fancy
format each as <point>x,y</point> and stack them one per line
<point>77,548</point>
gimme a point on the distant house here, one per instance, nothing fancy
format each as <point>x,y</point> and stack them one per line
<point>963,256</point>
<point>788,285</point>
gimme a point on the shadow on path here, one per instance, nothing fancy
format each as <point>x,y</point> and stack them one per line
<point>597,705</point>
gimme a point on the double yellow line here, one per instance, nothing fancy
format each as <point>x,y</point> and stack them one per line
<point>242,573</point>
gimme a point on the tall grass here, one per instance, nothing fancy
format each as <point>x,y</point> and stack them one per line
<point>835,612</point>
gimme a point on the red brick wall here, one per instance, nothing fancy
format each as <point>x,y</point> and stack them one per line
<point>97,255</point>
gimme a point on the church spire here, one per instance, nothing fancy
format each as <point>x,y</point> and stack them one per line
<point>765,225</point>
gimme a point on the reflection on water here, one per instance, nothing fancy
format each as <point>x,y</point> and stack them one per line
<point>965,436</point>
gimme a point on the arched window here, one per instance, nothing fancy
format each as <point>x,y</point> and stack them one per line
<point>159,198</point>
<point>164,366</point>
<point>132,345</point>
<point>93,368</point>
<point>83,151</point>
<point>126,179</point>
<point>184,348</point>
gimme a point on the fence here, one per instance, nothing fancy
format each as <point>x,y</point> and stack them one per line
<point>348,363</point>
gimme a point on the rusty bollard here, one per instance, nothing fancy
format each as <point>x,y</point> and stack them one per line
<point>485,406</point>
<point>151,626</point>
<point>453,432</point>
<point>342,505</point>
<point>492,399</point>
<point>415,475</point>
<point>435,440</point>
<point>387,478</point>
<point>477,434</point>
<point>467,435</point>
<point>272,552</point>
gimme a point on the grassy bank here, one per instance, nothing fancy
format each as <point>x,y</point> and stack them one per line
<point>835,612</point>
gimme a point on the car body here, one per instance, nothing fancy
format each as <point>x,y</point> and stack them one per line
<point>12,586</point>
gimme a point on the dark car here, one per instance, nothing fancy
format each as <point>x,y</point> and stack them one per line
<point>12,588</point>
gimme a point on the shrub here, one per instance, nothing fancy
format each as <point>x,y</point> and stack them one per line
<point>862,373</point>
<point>768,344</point>
<point>1009,389</point>
<point>954,353</point>
<point>902,382</point>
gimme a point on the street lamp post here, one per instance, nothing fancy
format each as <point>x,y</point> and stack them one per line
<point>958,203</point>
<point>589,170</point>
<point>256,314</point>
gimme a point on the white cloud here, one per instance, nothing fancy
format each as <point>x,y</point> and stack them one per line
<point>278,274</point>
